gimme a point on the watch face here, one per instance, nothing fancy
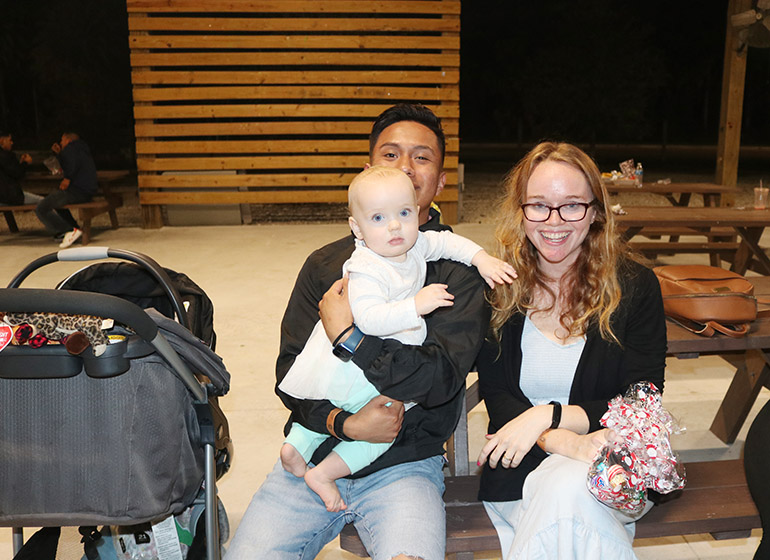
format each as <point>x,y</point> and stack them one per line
<point>342,353</point>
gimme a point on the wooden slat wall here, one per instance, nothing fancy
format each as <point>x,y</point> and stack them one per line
<point>282,92</point>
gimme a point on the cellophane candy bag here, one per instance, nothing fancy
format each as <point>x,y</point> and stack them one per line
<point>622,472</point>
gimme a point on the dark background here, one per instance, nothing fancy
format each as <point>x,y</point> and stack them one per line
<point>594,72</point>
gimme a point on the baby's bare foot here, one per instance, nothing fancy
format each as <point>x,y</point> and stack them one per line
<point>292,461</point>
<point>326,489</point>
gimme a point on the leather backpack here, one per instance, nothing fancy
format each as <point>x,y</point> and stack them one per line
<point>707,299</point>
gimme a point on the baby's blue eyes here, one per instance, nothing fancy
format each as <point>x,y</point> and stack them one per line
<point>378,218</point>
<point>405,213</point>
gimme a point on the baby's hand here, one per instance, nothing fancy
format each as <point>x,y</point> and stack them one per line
<point>493,270</point>
<point>431,297</point>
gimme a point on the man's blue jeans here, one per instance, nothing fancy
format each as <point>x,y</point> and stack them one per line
<point>55,218</point>
<point>398,510</point>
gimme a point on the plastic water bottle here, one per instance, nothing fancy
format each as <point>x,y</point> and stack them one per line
<point>639,176</point>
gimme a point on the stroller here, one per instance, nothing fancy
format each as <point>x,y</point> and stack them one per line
<point>119,434</point>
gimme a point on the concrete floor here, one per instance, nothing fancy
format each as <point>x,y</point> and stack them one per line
<point>248,272</point>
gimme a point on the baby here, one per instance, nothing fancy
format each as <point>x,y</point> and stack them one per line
<point>386,275</point>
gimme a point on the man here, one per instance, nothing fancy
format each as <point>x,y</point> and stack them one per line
<point>78,185</point>
<point>12,171</point>
<point>396,502</point>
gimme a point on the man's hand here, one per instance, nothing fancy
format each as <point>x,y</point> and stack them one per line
<point>26,158</point>
<point>64,185</point>
<point>56,148</point>
<point>494,271</point>
<point>376,422</point>
<point>431,297</point>
<point>334,310</point>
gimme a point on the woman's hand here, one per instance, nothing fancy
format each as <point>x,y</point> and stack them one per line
<point>513,441</point>
<point>579,447</point>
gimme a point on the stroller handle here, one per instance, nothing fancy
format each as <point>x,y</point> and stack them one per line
<point>28,300</point>
<point>97,253</point>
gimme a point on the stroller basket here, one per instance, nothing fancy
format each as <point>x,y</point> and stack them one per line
<point>121,438</point>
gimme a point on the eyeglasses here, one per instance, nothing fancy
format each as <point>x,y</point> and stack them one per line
<point>572,212</point>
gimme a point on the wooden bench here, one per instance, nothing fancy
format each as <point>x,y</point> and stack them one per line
<point>108,203</point>
<point>716,500</point>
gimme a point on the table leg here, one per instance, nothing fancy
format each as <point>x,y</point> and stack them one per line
<point>751,375</point>
<point>11,221</point>
<point>750,246</point>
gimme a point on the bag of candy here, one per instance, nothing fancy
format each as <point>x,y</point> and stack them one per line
<point>622,472</point>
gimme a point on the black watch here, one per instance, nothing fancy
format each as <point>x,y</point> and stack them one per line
<point>345,350</point>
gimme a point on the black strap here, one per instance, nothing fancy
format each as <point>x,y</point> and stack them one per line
<point>91,536</point>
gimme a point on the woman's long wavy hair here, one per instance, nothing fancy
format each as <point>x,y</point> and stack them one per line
<point>590,289</point>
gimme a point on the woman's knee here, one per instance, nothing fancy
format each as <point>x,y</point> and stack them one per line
<point>557,479</point>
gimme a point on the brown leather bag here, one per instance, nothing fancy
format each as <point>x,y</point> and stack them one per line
<point>705,299</point>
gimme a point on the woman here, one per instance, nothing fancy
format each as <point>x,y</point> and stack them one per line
<point>582,323</point>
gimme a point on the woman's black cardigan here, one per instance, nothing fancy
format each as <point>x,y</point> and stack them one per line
<point>605,370</point>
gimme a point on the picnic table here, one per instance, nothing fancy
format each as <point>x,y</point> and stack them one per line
<point>711,192</point>
<point>747,224</point>
<point>748,354</point>
<point>107,203</point>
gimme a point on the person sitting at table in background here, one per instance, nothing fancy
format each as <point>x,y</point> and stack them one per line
<point>389,299</point>
<point>79,184</point>
<point>12,170</point>
<point>583,322</point>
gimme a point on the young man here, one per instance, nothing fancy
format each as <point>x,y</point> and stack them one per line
<point>396,502</point>
<point>12,170</point>
<point>78,185</point>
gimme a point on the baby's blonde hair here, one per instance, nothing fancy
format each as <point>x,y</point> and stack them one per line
<point>373,172</point>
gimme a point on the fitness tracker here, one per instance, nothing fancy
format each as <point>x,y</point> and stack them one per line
<point>556,418</point>
<point>345,350</point>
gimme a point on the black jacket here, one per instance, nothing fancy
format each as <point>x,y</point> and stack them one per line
<point>78,166</point>
<point>603,371</point>
<point>11,172</point>
<point>432,374</point>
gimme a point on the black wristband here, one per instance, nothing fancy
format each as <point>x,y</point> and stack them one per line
<point>556,418</point>
<point>339,420</point>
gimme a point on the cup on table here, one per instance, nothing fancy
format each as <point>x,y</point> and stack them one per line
<point>761,197</point>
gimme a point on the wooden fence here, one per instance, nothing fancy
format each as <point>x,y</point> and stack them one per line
<point>254,102</point>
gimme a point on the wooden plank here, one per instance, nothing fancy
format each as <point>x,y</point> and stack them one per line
<point>305,92</point>
<point>297,6</point>
<point>215,42</point>
<point>261,180</point>
<point>311,146</point>
<point>273,110</point>
<point>144,128</point>
<point>264,180</point>
<point>264,77</point>
<point>287,196</point>
<point>327,161</point>
<point>308,25</point>
<point>731,110</point>
<point>295,59</point>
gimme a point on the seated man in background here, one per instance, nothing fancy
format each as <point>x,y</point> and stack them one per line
<point>78,185</point>
<point>12,170</point>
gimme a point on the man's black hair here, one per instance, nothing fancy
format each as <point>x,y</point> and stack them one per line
<point>408,112</point>
<point>4,133</point>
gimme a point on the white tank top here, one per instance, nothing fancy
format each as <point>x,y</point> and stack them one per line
<point>547,367</point>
